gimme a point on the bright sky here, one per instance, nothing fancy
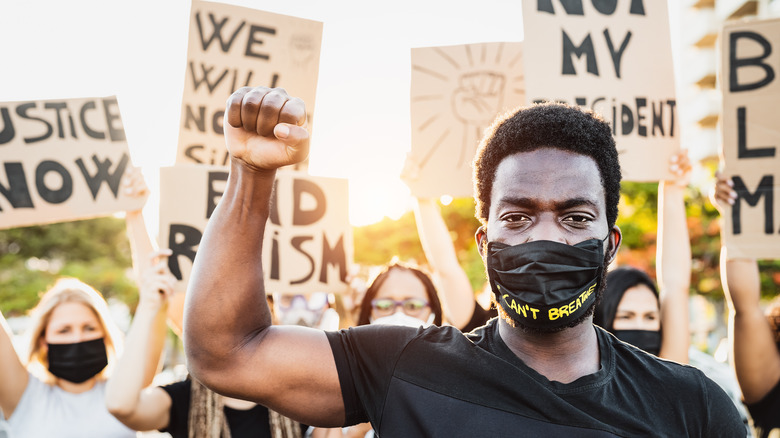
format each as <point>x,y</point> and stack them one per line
<point>137,51</point>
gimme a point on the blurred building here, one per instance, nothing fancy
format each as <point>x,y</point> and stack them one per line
<point>696,63</point>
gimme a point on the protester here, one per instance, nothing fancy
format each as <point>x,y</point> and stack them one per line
<point>632,308</point>
<point>59,389</point>
<point>184,409</point>
<point>754,334</point>
<point>462,309</point>
<point>547,182</point>
<point>401,295</point>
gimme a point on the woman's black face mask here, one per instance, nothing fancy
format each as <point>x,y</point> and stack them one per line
<point>77,362</point>
<point>647,340</point>
<point>545,284</point>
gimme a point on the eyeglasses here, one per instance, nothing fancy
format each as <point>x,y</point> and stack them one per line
<point>410,306</point>
<point>314,301</point>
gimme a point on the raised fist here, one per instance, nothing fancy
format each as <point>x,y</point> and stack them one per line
<point>265,128</point>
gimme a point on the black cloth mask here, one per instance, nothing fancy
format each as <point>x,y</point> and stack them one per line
<point>647,340</point>
<point>545,284</point>
<point>77,362</point>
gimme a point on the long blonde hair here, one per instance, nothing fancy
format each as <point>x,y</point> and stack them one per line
<point>67,290</point>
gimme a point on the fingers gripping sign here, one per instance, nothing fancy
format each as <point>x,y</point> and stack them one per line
<point>265,128</point>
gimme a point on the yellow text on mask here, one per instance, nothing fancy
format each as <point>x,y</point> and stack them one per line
<point>520,309</point>
<point>568,309</point>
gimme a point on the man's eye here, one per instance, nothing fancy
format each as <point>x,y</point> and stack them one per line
<point>515,218</point>
<point>577,218</point>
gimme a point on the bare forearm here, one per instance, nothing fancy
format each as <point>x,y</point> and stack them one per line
<point>674,249</point>
<point>455,287</point>
<point>755,357</point>
<point>138,363</point>
<point>674,271</point>
<point>225,304</point>
<point>140,242</point>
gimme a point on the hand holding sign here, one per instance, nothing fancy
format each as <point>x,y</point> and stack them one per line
<point>266,128</point>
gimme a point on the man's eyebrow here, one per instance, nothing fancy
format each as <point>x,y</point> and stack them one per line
<point>527,202</point>
<point>576,202</point>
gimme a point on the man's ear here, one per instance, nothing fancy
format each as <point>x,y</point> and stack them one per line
<point>481,237</point>
<point>613,243</point>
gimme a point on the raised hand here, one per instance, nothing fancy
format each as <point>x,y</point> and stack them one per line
<point>680,167</point>
<point>265,128</point>
<point>722,193</point>
<point>156,283</point>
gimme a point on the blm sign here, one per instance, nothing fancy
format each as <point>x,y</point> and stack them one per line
<point>750,65</point>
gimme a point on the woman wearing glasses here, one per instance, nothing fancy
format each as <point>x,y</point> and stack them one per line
<point>401,295</point>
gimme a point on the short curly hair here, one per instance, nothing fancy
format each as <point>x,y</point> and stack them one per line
<point>547,125</point>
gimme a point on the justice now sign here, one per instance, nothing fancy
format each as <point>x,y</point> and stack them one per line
<point>62,160</point>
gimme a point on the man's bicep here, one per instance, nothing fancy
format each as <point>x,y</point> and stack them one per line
<point>291,370</point>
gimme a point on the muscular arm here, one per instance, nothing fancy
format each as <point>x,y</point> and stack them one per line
<point>230,344</point>
<point>454,287</point>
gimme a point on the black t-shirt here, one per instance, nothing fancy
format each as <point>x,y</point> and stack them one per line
<point>250,423</point>
<point>766,413</point>
<point>479,317</point>
<point>438,382</point>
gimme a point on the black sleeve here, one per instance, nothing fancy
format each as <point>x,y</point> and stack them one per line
<point>766,412</point>
<point>479,317</point>
<point>723,418</point>
<point>180,407</point>
<point>365,358</point>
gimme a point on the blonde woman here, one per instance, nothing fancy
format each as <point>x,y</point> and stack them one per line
<point>59,389</point>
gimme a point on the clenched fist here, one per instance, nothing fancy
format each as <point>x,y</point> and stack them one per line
<point>265,128</point>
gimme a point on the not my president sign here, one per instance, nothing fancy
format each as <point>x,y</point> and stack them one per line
<point>62,160</point>
<point>232,47</point>
<point>750,66</point>
<point>308,239</point>
<point>615,57</point>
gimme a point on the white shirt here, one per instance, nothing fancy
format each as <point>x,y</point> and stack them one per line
<point>47,411</point>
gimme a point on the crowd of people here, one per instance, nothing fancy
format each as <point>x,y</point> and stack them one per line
<point>572,346</point>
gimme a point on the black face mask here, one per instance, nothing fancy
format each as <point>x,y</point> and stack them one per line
<point>647,340</point>
<point>77,362</point>
<point>545,284</point>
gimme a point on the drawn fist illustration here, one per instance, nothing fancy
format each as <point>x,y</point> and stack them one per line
<point>479,97</point>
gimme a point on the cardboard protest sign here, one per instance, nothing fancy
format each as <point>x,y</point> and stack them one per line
<point>457,92</point>
<point>308,239</point>
<point>750,65</point>
<point>62,160</point>
<point>232,47</point>
<point>616,58</point>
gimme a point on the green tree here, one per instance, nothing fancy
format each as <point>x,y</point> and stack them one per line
<point>95,251</point>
